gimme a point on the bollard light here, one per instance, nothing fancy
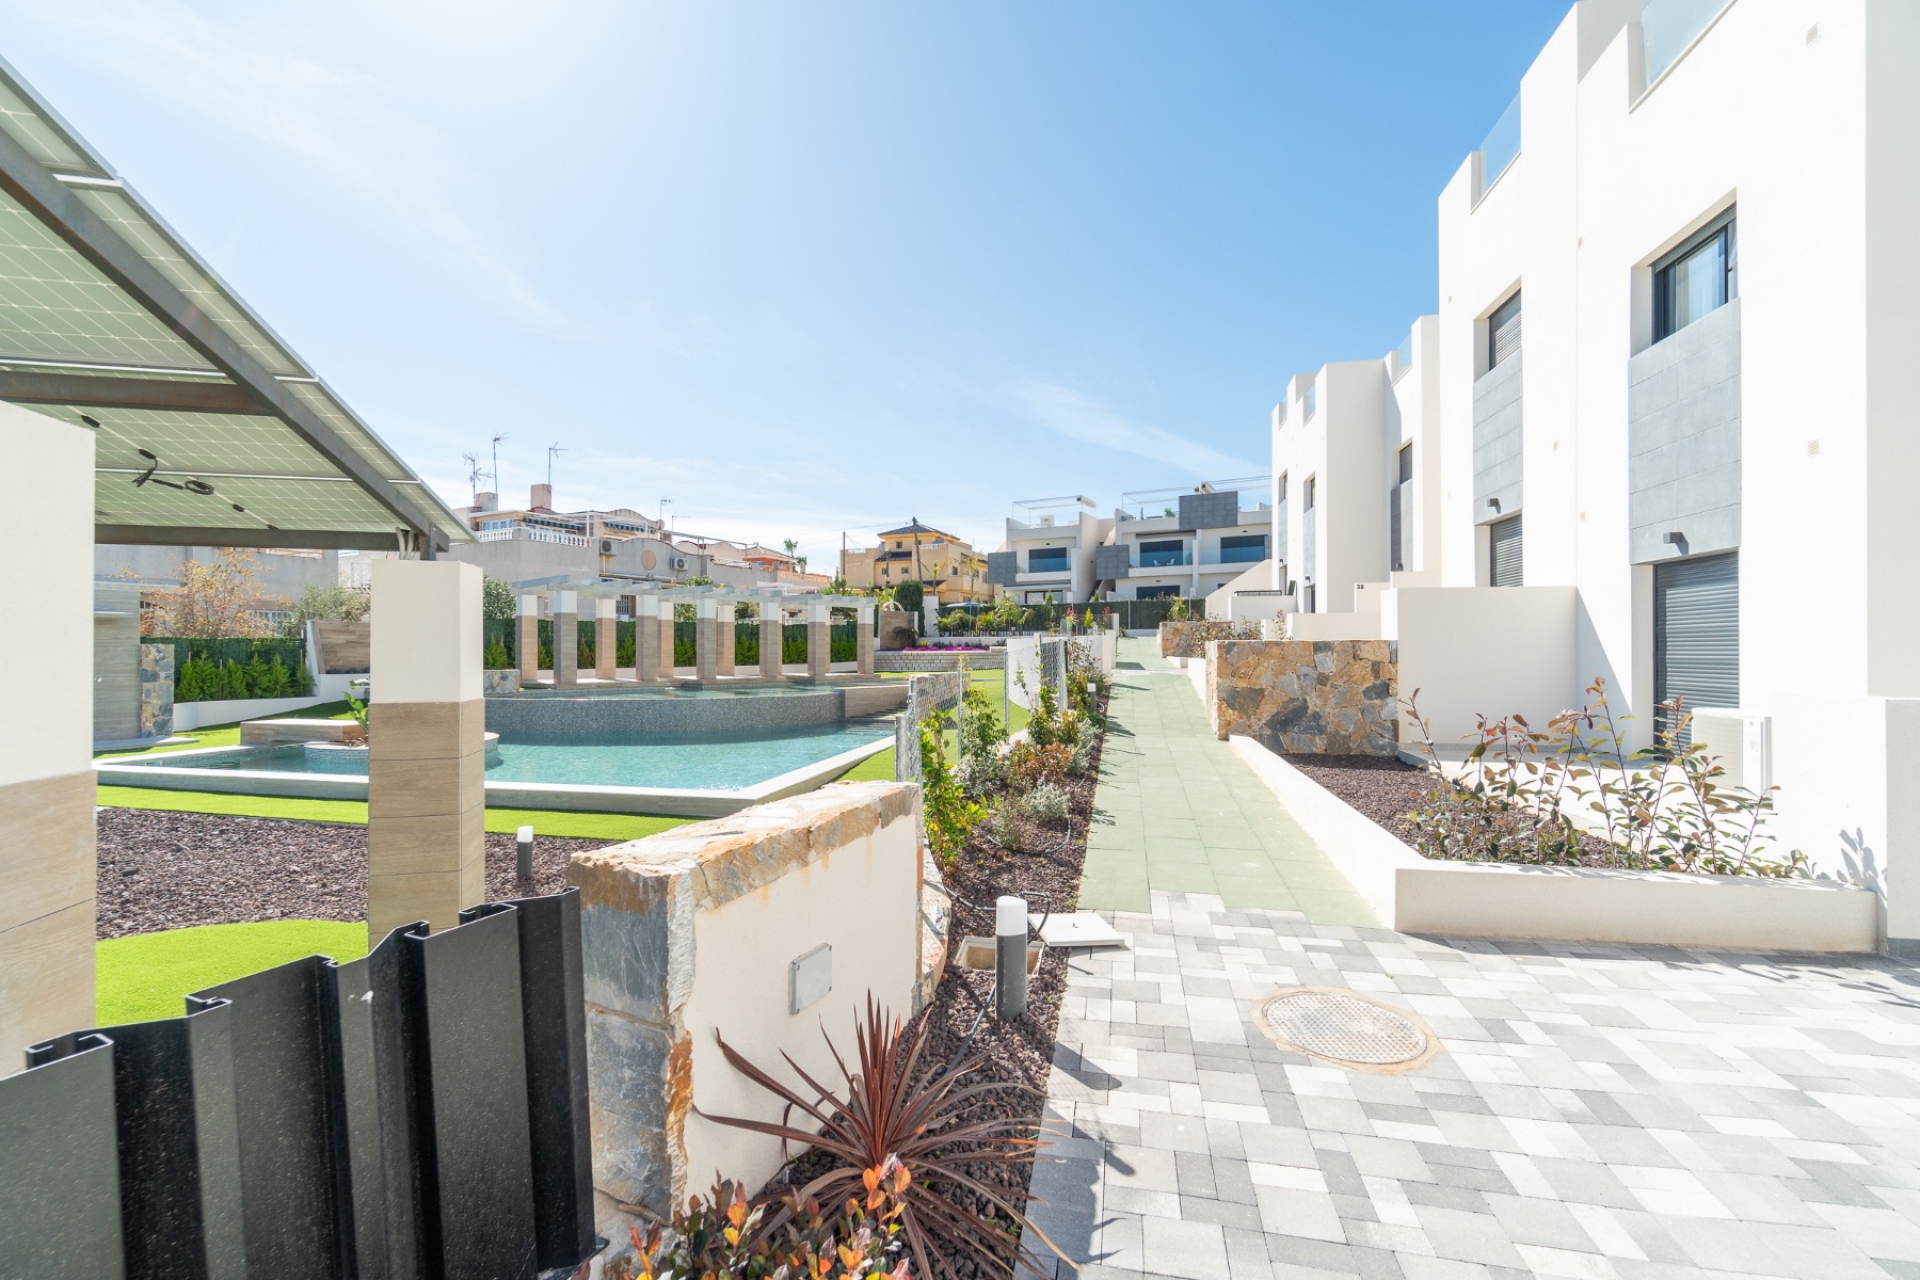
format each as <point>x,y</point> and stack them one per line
<point>1010,956</point>
<point>523,846</point>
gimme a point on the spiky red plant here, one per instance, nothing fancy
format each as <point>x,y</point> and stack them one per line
<point>886,1109</point>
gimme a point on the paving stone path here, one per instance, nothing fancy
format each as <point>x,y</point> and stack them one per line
<point>1177,811</point>
<point>1596,1111</point>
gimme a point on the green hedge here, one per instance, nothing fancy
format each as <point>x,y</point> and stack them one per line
<point>237,667</point>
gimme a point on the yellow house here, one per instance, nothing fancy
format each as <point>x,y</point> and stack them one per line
<point>949,569</point>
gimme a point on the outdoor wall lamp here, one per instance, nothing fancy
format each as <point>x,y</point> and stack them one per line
<point>1493,505</point>
<point>1675,538</point>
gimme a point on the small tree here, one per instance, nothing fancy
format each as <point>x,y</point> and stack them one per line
<point>496,598</point>
<point>909,595</point>
<point>214,600</point>
<point>332,603</point>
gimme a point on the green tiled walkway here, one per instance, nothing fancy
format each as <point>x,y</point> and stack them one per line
<point>1178,811</point>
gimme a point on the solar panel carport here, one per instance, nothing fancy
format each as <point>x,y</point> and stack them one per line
<point>141,401</point>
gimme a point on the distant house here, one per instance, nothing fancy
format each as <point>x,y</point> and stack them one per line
<point>948,568</point>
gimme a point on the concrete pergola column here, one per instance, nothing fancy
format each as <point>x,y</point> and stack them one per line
<point>606,637</point>
<point>646,640</point>
<point>527,639</point>
<point>724,631</point>
<point>566,638</point>
<point>426,752</point>
<point>863,637</point>
<point>47,856</point>
<point>819,639</point>
<point>706,640</point>
<point>770,625</point>
<point>667,669</point>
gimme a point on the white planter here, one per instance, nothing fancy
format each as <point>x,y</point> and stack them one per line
<point>204,715</point>
<point>1567,904</point>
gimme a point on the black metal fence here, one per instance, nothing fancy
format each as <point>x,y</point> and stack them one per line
<point>418,1114</point>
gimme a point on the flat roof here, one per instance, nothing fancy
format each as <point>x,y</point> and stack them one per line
<point>209,429</point>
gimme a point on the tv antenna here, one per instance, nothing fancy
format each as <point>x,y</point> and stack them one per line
<point>473,470</point>
<point>551,450</point>
<point>496,460</point>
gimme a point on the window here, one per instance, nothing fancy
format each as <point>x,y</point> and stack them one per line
<point>1399,508</point>
<point>1155,593</point>
<point>1696,634</point>
<point>1159,555</point>
<point>1503,332</point>
<point>1243,548</point>
<point>1506,567</point>
<point>1306,495</point>
<point>1702,275</point>
<point>1047,560</point>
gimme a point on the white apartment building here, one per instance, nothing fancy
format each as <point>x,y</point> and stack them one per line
<point>1689,471</point>
<point>1049,550</point>
<point>1185,541</point>
<point>1356,460</point>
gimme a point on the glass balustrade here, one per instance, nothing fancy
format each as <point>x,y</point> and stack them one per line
<point>1164,559</point>
<point>1501,147</point>
<point>1667,27</point>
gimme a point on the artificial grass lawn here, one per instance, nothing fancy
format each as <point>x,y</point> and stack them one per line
<point>594,826</point>
<point>148,975</point>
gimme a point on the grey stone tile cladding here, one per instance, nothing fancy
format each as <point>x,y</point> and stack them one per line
<point>1112,562</point>
<point>1496,440</point>
<point>1002,567</point>
<point>1683,440</point>
<point>592,714</point>
<point>1209,510</point>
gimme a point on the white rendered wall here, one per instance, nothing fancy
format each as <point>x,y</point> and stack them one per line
<point>437,657</point>
<point>1482,651</point>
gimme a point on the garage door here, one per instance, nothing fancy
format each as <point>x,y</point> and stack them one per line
<point>1696,632</point>
<point>1506,566</point>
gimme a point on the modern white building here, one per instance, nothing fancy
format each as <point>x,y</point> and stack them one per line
<point>1356,456</point>
<point>1689,472</point>
<point>1185,541</point>
<point>1049,550</point>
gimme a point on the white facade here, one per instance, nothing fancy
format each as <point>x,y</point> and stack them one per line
<point>1049,554</point>
<point>1778,426</point>
<point>1342,441</point>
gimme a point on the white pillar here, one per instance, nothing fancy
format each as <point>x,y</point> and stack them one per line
<point>426,766</point>
<point>47,854</point>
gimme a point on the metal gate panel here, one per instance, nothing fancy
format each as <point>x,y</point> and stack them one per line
<point>1696,633</point>
<point>60,1164</point>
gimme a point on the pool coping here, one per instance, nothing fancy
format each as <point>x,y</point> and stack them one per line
<point>564,796</point>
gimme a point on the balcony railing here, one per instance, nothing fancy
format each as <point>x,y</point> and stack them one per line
<point>1163,559</point>
<point>1312,399</point>
<point>1501,147</point>
<point>1668,28</point>
<point>1048,564</point>
<point>1403,358</point>
<point>525,533</point>
<point>1235,555</point>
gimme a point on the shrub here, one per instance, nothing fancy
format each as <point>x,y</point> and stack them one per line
<point>1029,765</point>
<point>724,1235</point>
<point>979,775</point>
<point>1006,826</point>
<point>1662,807</point>
<point>497,658</point>
<point>956,622</point>
<point>946,811</point>
<point>890,1108</point>
<point>1043,802</point>
<point>496,598</point>
<point>982,732</point>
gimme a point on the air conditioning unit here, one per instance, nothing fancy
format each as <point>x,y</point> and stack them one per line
<point>679,562</point>
<point>606,546</point>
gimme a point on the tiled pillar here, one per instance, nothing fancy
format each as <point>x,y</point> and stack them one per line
<point>667,668</point>
<point>819,639</point>
<point>646,640</point>
<point>426,759</point>
<point>863,637</point>
<point>706,640</point>
<point>566,638</point>
<point>527,643</point>
<point>725,630</point>
<point>47,854</point>
<point>606,637</point>
<point>770,623</point>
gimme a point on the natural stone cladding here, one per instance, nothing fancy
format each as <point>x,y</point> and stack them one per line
<point>1177,640</point>
<point>1307,697</point>
<point>156,691</point>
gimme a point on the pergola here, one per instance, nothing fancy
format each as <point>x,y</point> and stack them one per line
<point>141,401</point>
<point>208,429</point>
<point>715,613</point>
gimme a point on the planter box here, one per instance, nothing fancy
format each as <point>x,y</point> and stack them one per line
<point>1567,904</point>
<point>204,715</point>
<point>501,681</point>
<point>267,733</point>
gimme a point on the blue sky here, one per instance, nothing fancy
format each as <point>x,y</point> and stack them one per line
<point>803,268</point>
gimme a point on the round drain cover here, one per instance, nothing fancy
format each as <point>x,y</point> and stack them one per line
<point>1343,1028</point>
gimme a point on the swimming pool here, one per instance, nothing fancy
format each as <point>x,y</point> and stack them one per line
<point>704,774</point>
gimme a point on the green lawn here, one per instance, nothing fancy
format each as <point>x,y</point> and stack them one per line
<point>228,735</point>
<point>148,975</point>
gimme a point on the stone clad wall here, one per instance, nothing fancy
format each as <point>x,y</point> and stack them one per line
<point>1177,640</point>
<point>1307,697</point>
<point>692,933</point>
<point>156,691</point>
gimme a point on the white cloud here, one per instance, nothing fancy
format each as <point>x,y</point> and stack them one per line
<point>1079,417</point>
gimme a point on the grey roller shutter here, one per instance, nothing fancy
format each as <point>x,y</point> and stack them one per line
<point>1696,633</point>
<point>1505,559</point>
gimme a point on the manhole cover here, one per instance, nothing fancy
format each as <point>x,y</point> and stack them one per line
<point>1344,1028</point>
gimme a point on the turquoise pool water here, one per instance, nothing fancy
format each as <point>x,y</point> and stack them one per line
<point>698,761</point>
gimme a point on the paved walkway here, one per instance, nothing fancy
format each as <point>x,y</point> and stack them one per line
<point>1597,1111</point>
<point>1177,811</point>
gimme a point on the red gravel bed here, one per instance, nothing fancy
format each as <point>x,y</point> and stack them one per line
<point>171,870</point>
<point>1383,788</point>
